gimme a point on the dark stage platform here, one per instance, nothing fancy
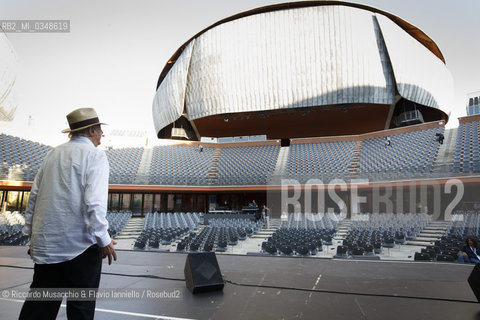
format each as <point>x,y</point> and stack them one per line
<point>260,287</point>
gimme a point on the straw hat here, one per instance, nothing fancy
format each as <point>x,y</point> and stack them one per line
<point>81,119</point>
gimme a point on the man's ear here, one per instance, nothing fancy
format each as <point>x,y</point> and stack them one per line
<point>91,131</point>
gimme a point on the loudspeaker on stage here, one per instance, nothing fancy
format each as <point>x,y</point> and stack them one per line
<point>202,272</point>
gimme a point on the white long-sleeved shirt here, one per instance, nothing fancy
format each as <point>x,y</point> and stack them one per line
<point>67,207</point>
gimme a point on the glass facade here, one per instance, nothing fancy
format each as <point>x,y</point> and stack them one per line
<point>140,203</point>
<point>473,105</point>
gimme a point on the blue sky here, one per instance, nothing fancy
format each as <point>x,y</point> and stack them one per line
<point>116,50</point>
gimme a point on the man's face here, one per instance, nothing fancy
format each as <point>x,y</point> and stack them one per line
<point>96,134</point>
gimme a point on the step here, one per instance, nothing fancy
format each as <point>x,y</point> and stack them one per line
<point>122,237</point>
<point>134,225</point>
<point>257,236</point>
<point>419,243</point>
<point>132,229</point>
<point>443,228</point>
<point>136,222</point>
<point>129,234</point>
<point>433,231</point>
<point>268,233</point>
<point>428,236</point>
<point>421,238</point>
<point>437,229</point>
<point>129,231</point>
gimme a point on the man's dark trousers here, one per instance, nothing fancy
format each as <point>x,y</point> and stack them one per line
<point>81,272</point>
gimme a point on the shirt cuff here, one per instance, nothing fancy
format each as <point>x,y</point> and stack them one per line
<point>104,241</point>
<point>26,230</point>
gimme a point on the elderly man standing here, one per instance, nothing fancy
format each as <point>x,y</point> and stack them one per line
<point>66,218</point>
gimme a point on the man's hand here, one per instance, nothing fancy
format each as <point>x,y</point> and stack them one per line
<point>109,251</point>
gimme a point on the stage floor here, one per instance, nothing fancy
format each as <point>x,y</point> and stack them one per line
<point>259,287</point>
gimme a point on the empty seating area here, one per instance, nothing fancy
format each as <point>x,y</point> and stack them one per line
<point>20,158</point>
<point>463,225</point>
<point>467,153</point>
<point>322,160</point>
<point>301,242</point>
<point>443,250</point>
<point>410,154</point>
<point>124,163</point>
<point>247,165</point>
<point>218,234</point>
<point>302,235</point>
<point>117,221</point>
<point>370,233</point>
<point>11,224</point>
<point>319,221</point>
<point>165,228</point>
<point>180,165</point>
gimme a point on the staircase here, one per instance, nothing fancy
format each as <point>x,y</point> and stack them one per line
<point>265,233</point>
<point>132,229</point>
<point>126,239</point>
<point>143,171</point>
<point>446,152</point>
<point>280,166</point>
<point>354,166</point>
<point>212,177</point>
<point>434,231</point>
<point>342,229</point>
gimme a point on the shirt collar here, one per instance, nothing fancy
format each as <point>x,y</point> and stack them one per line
<point>82,139</point>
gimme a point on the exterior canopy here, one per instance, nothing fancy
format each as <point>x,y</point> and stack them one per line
<point>297,56</point>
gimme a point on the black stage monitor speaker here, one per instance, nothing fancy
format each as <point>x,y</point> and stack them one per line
<point>474,281</point>
<point>202,272</point>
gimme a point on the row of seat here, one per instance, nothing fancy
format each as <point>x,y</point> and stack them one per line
<point>117,221</point>
<point>467,149</point>
<point>219,233</point>
<point>298,241</point>
<point>124,164</point>
<point>11,224</point>
<point>445,250</point>
<point>248,165</point>
<point>321,221</point>
<point>369,233</point>
<point>212,239</point>
<point>463,224</point>
<point>410,154</point>
<point>20,158</point>
<point>12,235</point>
<point>325,160</point>
<point>179,164</point>
<point>165,228</point>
